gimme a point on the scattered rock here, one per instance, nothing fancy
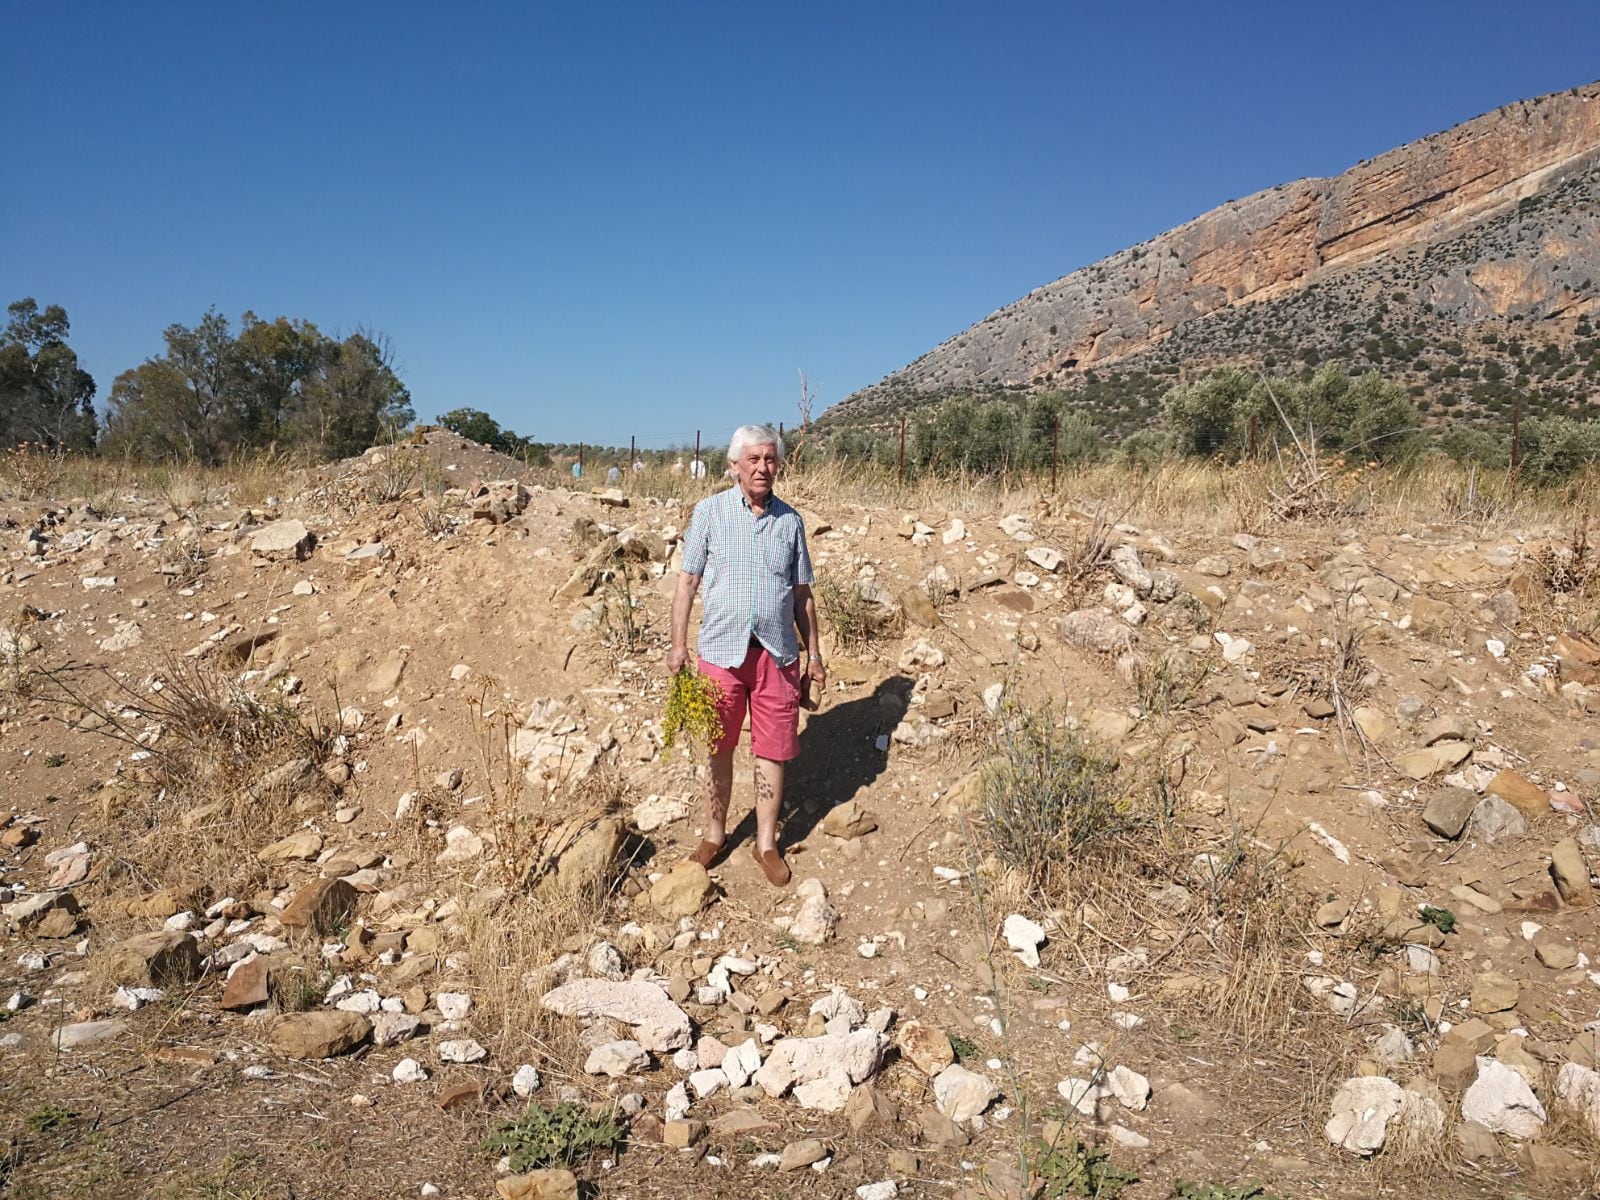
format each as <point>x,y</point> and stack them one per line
<point>86,1033</point>
<point>154,959</point>
<point>800,1154</point>
<point>848,820</point>
<point>1521,793</point>
<point>1024,936</point>
<point>283,539</point>
<point>1362,1110</point>
<point>321,906</point>
<point>1502,1102</point>
<point>616,1059</point>
<point>659,1025</point>
<point>682,891</point>
<point>1571,873</point>
<point>1448,811</point>
<point>319,1034</point>
<point>1095,629</point>
<point>961,1094</point>
<point>250,984</point>
<point>927,1048</point>
<point>816,919</point>
<point>1495,820</point>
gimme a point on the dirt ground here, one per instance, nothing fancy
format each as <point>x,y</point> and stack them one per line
<point>1245,928</point>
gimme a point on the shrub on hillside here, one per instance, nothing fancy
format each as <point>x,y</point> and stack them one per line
<point>1557,448</point>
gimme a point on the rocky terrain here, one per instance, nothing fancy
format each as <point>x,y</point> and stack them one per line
<point>1480,233</point>
<point>338,832</point>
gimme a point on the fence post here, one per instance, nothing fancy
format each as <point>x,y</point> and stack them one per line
<point>633,455</point>
<point>1252,435</point>
<point>902,448</point>
<point>1055,451</point>
<point>580,459</point>
<point>1516,434</point>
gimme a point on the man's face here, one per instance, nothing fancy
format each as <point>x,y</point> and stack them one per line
<point>756,468</point>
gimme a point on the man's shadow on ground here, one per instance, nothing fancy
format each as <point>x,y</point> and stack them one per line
<point>839,756</point>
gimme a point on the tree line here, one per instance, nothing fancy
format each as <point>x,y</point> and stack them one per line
<point>213,393</point>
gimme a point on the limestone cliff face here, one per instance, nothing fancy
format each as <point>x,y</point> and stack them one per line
<point>1294,235</point>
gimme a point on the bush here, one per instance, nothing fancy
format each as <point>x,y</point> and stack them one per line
<point>1047,795</point>
<point>1557,448</point>
<point>1476,447</point>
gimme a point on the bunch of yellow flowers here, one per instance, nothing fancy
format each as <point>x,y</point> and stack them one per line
<point>692,702</point>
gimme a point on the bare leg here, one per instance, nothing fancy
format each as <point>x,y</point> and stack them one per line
<point>719,790</point>
<point>769,801</point>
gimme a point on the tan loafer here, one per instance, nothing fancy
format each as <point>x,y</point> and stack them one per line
<point>772,866</point>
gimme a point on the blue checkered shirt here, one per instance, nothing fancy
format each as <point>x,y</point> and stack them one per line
<point>749,567</point>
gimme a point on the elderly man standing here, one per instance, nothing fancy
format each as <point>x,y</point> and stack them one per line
<point>748,548</point>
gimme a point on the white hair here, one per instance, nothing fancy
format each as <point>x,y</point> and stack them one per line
<point>754,435</point>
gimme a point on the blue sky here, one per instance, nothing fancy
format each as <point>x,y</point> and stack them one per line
<point>600,220</point>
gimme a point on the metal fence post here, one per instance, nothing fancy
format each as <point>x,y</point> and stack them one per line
<point>902,448</point>
<point>1055,450</point>
<point>1516,434</point>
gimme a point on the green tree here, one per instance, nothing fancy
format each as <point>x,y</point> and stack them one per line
<point>475,425</point>
<point>1210,416</point>
<point>45,396</point>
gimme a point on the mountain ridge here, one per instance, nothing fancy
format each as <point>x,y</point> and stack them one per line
<point>1280,241</point>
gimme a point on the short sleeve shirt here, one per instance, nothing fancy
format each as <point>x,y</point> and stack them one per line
<point>749,567</point>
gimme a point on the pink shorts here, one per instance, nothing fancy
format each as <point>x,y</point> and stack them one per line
<point>771,695</point>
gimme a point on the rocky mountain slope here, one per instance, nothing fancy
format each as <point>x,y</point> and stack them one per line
<point>1487,230</point>
<point>1348,950</point>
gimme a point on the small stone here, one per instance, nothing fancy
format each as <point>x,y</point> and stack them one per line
<point>848,820</point>
<point>249,985</point>
<point>682,1134</point>
<point>1558,956</point>
<point>1448,811</point>
<point>300,846</point>
<point>926,1047</point>
<point>526,1081</point>
<point>86,1033</point>
<point>1493,992</point>
<point>461,1050</point>
<point>962,1094</point>
<point>801,1154</point>
<point>1131,1089</point>
<point>682,891</point>
<point>322,906</point>
<point>1025,937</point>
<point>1571,873</point>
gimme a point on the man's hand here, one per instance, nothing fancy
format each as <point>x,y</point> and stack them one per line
<point>676,658</point>
<point>818,670</point>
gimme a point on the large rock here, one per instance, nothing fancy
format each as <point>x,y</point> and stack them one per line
<point>961,1094</point>
<point>321,906</point>
<point>1361,1112</point>
<point>1526,796</point>
<point>1571,873</point>
<point>659,1024</point>
<point>283,539</point>
<point>154,959</point>
<point>1495,820</point>
<point>682,891</point>
<point>1502,1102</point>
<point>320,1034</point>
<point>796,1061</point>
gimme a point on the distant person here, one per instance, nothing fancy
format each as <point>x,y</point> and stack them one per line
<point>614,474</point>
<point>638,465</point>
<point>677,467</point>
<point>577,468</point>
<point>757,614</point>
<point>697,469</point>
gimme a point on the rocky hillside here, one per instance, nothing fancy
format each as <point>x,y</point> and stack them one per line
<point>1485,232</point>
<point>341,856</point>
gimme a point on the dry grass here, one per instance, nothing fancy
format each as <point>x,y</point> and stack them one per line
<point>196,799</point>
